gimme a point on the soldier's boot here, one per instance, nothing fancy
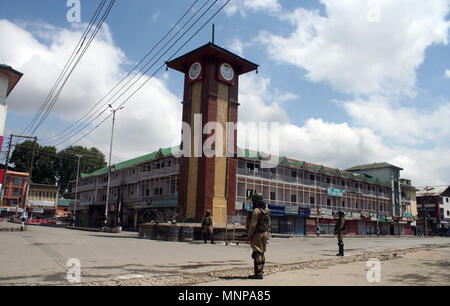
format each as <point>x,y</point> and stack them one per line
<point>259,261</point>
<point>341,249</point>
<point>212,239</point>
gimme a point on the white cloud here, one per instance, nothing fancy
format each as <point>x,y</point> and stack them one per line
<point>244,6</point>
<point>447,74</point>
<point>150,120</point>
<point>359,52</point>
<point>404,125</point>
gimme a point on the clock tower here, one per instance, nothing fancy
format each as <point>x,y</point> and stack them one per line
<point>210,96</point>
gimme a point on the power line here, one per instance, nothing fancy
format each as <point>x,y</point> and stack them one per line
<point>86,122</point>
<point>67,65</point>
<point>48,107</point>
<point>83,52</point>
<point>148,79</point>
<point>68,129</point>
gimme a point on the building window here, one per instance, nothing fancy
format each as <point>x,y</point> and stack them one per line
<point>311,177</point>
<point>249,193</point>
<point>293,198</point>
<point>328,180</point>
<point>293,174</point>
<point>328,202</point>
<point>343,203</point>
<point>311,200</point>
<point>357,206</point>
<point>272,196</point>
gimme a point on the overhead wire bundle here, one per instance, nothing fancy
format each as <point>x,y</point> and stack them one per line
<point>79,51</point>
<point>85,121</point>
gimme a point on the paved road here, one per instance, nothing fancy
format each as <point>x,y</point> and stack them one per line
<point>39,256</point>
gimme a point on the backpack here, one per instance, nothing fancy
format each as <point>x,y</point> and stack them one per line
<point>264,221</point>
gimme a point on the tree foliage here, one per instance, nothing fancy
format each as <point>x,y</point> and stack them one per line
<point>92,160</point>
<point>51,167</point>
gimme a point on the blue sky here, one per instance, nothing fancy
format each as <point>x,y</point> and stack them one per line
<point>349,81</point>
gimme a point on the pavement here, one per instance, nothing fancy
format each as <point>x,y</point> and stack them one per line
<point>8,226</point>
<point>40,256</point>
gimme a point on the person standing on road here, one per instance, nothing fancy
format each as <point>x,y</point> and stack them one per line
<point>208,227</point>
<point>339,231</point>
<point>258,227</point>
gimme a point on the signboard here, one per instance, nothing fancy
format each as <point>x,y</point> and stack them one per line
<point>335,192</point>
<point>356,216</point>
<point>373,217</point>
<point>38,210</point>
<point>304,211</point>
<point>364,213</point>
<point>326,212</point>
<point>239,206</point>
<point>291,211</point>
<point>38,203</point>
<point>314,212</point>
<point>276,210</point>
<point>248,207</point>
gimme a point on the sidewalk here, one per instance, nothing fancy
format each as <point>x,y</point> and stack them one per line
<point>10,227</point>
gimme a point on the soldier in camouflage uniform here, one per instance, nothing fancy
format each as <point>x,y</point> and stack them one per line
<point>339,231</point>
<point>258,226</point>
<point>208,227</point>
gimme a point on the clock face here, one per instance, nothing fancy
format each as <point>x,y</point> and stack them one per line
<point>227,72</point>
<point>195,70</point>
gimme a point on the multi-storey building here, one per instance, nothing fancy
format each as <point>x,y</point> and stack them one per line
<point>302,197</point>
<point>433,205</point>
<point>408,204</point>
<point>15,189</point>
<point>42,200</point>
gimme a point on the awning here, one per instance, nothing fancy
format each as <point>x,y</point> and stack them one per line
<point>164,203</point>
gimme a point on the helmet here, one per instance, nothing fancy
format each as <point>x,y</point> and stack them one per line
<point>257,198</point>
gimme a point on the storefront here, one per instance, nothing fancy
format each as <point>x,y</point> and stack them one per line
<point>280,223</point>
<point>352,223</point>
<point>326,222</point>
<point>311,222</point>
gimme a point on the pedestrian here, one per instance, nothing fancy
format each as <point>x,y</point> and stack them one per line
<point>378,231</point>
<point>208,227</point>
<point>258,228</point>
<point>339,231</point>
<point>22,226</point>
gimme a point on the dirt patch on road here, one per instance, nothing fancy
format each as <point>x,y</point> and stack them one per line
<point>187,279</point>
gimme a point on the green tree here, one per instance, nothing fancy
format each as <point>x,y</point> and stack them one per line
<point>92,160</point>
<point>44,163</point>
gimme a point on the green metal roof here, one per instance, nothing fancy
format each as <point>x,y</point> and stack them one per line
<point>135,161</point>
<point>373,166</point>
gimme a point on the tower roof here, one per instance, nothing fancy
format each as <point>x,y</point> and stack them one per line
<point>181,63</point>
<point>13,76</point>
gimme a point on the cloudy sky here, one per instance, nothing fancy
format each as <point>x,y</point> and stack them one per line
<point>349,81</point>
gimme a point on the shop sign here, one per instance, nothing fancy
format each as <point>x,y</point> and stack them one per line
<point>291,210</point>
<point>310,222</point>
<point>364,213</point>
<point>239,206</point>
<point>373,217</point>
<point>356,216</point>
<point>335,192</point>
<point>314,212</point>
<point>38,210</point>
<point>326,212</point>
<point>408,215</point>
<point>277,210</point>
<point>248,207</point>
<point>304,211</point>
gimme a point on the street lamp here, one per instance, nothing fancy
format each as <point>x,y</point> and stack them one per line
<point>109,165</point>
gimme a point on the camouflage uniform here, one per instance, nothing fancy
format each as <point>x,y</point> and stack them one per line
<point>208,227</point>
<point>258,227</point>
<point>339,231</point>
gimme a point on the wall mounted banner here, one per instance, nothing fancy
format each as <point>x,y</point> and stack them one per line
<point>335,192</point>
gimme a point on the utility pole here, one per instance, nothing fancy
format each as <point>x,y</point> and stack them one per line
<point>109,164</point>
<point>6,168</point>
<point>29,175</point>
<point>76,190</point>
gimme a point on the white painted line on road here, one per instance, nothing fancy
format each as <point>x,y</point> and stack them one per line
<point>130,276</point>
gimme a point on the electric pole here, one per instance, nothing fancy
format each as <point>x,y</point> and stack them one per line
<point>6,167</point>
<point>109,164</point>
<point>76,190</point>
